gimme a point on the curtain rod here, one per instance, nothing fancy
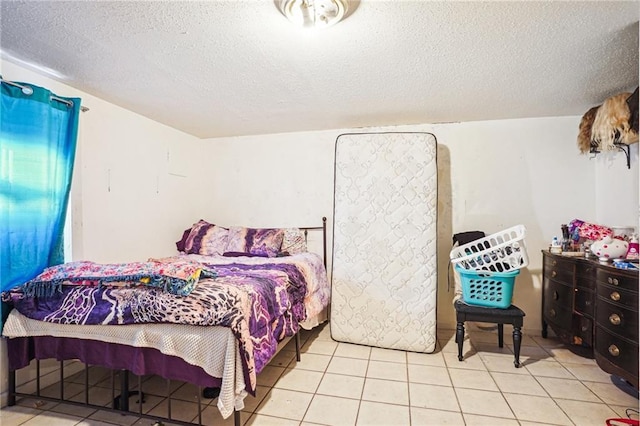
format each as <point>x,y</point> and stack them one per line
<point>28,91</point>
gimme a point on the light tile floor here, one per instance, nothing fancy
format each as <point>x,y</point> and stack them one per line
<point>344,384</point>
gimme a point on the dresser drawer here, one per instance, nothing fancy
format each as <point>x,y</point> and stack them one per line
<point>619,320</point>
<point>582,331</point>
<point>558,315</point>
<point>584,301</point>
<point>585,269</point>
<point>612,277</point>
<point>585,275</point>
<point>618,351</point>
<point>558,293</point>
<point>558,303</point>
<point>618,295</point>
<point>559,269</point>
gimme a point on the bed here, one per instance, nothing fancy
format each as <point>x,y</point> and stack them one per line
<point>384,267</point>
<point>217,330</point>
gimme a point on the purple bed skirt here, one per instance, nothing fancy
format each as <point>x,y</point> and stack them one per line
<point>140,361</point>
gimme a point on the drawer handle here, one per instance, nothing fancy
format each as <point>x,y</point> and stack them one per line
<point>552,312</point>
<point>555,295</point>
<point>614,319</point>
<point>553,274</point>
<point>613,281</point>
<point>615,296</point>
<point>613,350</point>
<point>554,263</point>
<point>587,303</point>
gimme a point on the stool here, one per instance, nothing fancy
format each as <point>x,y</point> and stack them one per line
<point>512,315</point>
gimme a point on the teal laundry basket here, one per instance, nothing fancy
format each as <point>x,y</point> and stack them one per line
<point>486,288</point>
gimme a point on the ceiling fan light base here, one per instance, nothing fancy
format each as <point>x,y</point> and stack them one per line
<point>314,13</point>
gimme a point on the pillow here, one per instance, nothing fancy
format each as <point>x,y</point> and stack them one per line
<point>207,239</point>
<point>180,244</point>
<point>293,241</point>
<point>265,242</point>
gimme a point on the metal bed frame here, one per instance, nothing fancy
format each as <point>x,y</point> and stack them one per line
<point>120,403</point>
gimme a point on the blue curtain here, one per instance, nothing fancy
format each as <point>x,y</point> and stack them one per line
<point>38,136</point>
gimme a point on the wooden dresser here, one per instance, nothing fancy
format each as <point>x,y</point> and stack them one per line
<point>593,307</point>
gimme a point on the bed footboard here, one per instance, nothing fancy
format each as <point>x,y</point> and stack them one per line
<point>120,402</point>
<point>114,358</point>
<point>118,359</point>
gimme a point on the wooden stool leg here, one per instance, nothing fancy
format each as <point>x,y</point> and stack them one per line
<point>517,340</point>
<point>501,335</point>
<point>460,338</point>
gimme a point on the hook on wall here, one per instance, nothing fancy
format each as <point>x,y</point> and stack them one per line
<point>621,147</point>
<point>624,148</point>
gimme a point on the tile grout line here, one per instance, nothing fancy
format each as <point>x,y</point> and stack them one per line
<point>446,366</point>
<point>515,416</point>
<point>540,384</point>
<point>535,377</point>
<point>324,372</point>
<point>363,387</point>
<point>582,382</point>
<point>406,359</point>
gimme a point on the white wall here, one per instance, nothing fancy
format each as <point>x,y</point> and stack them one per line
<point>128,202</point>
<point>616,194</point>
<point>280,180</point>
<point>270,180</point>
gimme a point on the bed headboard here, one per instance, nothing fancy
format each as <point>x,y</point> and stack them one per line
<point>306,230</point>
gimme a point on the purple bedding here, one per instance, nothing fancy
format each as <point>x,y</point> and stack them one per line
<point>260,303</point>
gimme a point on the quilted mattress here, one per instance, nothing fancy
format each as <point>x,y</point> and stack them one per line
<point>384,269</point>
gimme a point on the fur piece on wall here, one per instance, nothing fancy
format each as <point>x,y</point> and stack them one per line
<point>632,102</point>
<point>611,123</point>
<point>584,133</point>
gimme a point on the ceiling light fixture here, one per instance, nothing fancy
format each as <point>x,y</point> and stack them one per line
<point>314,13</point>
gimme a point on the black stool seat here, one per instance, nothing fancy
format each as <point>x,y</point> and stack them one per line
<point>511,315</point>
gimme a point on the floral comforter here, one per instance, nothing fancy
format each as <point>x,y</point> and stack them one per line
<point>262,300</point>
<point>177,276</point>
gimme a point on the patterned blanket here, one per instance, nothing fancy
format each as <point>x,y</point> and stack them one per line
<point>261,303</point>
<point>178,277</point>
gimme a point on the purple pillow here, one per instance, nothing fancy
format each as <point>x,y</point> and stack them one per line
<point>265,242</point>
<point>207,239</point>
<point>180,244</point>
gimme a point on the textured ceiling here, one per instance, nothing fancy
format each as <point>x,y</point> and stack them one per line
<point>223,68</point>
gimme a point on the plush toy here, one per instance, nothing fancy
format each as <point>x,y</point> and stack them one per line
<point>611,123</point>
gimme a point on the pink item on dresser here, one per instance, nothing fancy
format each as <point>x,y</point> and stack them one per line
<point>589,231</point>
<point>634,248</point>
